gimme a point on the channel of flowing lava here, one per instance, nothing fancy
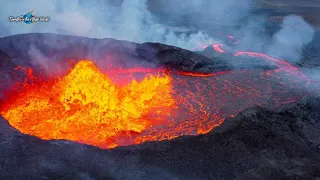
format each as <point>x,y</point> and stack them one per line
<point>130,106</point>
<point>281,64</point>
<point>217,47</point>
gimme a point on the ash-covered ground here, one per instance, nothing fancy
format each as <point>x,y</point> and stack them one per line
<point>259,143</point>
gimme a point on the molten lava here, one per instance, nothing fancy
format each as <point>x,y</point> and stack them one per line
<point>86,106</point>
<point>130,106</point>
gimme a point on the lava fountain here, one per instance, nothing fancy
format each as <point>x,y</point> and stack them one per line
<point>132,106</point>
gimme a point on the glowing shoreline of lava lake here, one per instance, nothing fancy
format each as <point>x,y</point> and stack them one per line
<point>96,108</point>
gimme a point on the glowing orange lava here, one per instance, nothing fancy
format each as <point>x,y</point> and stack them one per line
<point>86,106</point>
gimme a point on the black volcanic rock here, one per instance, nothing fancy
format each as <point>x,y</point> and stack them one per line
<point>311,53</point>
<point>182,59</point>
<point>34,49</point>
<point>257,144</point>
<point>6,70</point>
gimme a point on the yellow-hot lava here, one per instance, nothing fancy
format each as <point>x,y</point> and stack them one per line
<point>86,106</point>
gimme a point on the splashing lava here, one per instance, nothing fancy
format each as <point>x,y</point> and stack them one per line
<point>105,110</point>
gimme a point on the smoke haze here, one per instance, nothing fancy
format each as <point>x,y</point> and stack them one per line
<point>132,20</point>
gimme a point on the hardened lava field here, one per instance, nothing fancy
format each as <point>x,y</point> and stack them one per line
<point>130,106</point>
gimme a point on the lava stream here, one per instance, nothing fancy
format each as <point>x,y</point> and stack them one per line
<point>217,48</point>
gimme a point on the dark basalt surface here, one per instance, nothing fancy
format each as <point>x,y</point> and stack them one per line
<point>311,53</point>
<point>22,49</point>
<point>258,143</point>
